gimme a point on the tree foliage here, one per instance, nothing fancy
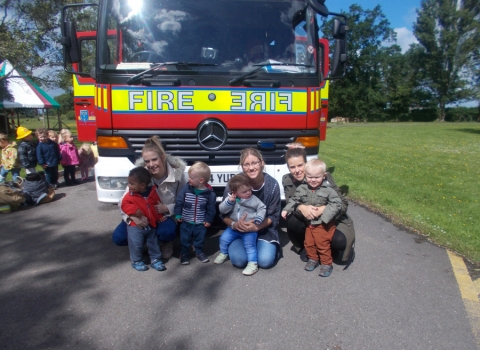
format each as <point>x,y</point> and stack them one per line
<point>29,36</point>
<point>448,33</point>
<point>65,101</point>
<point>362,93</point>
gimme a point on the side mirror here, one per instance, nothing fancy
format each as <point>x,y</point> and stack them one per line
<point>339,29</point>
<point>339,58</point>
<point>319,7</point>
<point>70,43</point>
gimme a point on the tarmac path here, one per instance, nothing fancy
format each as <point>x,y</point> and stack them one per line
<point>64,285</point>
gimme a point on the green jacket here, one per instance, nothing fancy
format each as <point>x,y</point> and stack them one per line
<point>343,221</point>
<point>322,195</point>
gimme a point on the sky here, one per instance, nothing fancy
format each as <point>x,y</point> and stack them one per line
<point>401,15</point>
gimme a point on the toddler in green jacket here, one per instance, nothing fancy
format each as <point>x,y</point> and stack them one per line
<point>319,232</point>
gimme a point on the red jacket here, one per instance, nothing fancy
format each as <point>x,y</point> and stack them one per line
<point>131,202</point>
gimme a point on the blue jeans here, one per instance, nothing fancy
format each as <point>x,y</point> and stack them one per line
<point>268,254</point>
<point>51,174</point>
<point>15,173</point>
<point>192,233</point>
<point>136,237</point>
<point>165,231</point>
<point>249,240</point>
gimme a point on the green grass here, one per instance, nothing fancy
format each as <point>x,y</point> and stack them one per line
<point>425,176</point>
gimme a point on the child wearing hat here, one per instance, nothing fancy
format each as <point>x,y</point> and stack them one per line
<point>27,153</point>
<point>10,162</point>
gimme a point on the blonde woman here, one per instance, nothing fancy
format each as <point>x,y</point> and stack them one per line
<point>168,177</point>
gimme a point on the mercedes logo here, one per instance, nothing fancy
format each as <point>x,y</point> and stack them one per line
<point>211,134</point>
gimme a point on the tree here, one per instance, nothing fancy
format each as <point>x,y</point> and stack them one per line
<point>65,101</point>
<point>29,36</point>
<point>361,94</point>
<point>448,33</point>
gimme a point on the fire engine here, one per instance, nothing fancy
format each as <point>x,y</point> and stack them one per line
<point>210,78</point>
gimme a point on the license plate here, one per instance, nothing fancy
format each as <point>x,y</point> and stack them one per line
<point>220,179</point>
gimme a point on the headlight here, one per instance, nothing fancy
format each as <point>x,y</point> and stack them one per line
<point>112,183</point>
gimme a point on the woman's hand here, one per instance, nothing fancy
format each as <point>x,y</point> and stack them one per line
<point>310,212</point>
<point>141,221</point>
<point>245,226</point>
<point>161,208</point>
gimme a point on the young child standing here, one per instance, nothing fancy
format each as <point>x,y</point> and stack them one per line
<point>319,232</point>
<point>70,158</point>
<point>52,135</point>
<point>49,156</point>
<point>195,209</point>
<point>27,150</point>
<point>241,204</point>
<point>10,162</point>
<point>140,202</point>
<point>87,159</point>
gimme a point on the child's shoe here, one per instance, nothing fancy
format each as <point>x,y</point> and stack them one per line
<point>5,209</point>
<point>184,259</point>
<point>139,265</point>
<point>158,265</point>
<point>250,269</point>
<point>311,265</point>
<point>220,259</point>
<point>325,270</point>
<point>202,257</point>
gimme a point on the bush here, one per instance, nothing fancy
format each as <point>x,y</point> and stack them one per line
<point>70,115</point>
<point>462,114</point>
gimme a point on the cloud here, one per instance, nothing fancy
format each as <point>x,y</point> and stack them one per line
<point>405,37</point>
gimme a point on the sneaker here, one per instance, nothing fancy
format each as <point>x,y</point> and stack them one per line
<point>139,266</point>
<point>220,259</point>
<point>250,269</point>
<point>311,265</point>
<point>5,209</point>
<point>202,257</point>
<point>158,265</point>
<point>303,255</point>
<point>184,259</point>
<point>325,270</point>
<point>167,249</point>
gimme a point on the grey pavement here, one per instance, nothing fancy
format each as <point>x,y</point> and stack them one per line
<point>64,285</point>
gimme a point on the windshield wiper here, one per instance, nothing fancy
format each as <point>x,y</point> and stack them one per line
<point>262,66</point>
<point>137,78</point>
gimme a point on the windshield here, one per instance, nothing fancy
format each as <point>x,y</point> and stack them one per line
<point>226,36</point>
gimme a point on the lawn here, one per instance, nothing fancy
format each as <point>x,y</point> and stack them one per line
<point>424,176</point>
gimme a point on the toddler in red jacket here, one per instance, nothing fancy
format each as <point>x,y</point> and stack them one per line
<point>140,203</point>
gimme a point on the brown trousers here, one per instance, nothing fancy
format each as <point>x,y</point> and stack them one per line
<point>317,242</point>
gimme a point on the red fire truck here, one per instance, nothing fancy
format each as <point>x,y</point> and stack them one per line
<point>210,78</point>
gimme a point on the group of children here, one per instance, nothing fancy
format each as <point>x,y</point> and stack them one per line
<point>49,152</point>
<point>195,210</point>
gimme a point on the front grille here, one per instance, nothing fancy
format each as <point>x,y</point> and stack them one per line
<point>184,144</point>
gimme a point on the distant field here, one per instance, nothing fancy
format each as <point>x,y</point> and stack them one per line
<point>425,176</point>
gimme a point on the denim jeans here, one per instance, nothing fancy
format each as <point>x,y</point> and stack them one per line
<point>137,237</point>
<point>192,234</point>
<point>15,172</point>
<point>268,254</point>
<point>165,231</point>
<point>51,174</point>
<point>249,240</point>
